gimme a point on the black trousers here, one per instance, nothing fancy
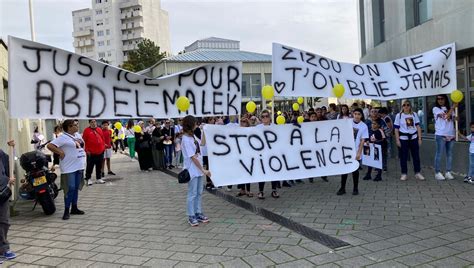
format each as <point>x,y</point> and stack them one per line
<point>94,160</point>
<point>261,185</point>
<point>355,179</point>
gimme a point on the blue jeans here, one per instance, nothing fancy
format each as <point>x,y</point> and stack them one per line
<point>471,165</point>
<point>442,145</point>
<point>73,183</point>
<point>168,154</point>
<point>193,202</point>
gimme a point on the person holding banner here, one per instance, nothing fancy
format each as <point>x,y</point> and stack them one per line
<point>266,121</point>
<point>377,136</point>
<point>408,138</point>
<point>193,164</point>
<point>70,147</point>
<point>444,134</point>
<point>5,180</point>
<point>361,134</point>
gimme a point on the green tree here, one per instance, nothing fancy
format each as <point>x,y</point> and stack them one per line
<point>147,54</point>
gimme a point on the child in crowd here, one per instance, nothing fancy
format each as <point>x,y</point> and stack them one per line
<point>376,136</point>
<point>470,175</point>
<point>177,148</point>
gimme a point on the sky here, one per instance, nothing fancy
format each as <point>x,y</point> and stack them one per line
<point>325,27</point>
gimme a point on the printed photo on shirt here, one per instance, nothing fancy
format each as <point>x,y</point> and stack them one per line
<point>356,130</point>
<point>409,122</point>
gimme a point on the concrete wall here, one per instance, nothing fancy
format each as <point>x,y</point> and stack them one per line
<point>452,21</point>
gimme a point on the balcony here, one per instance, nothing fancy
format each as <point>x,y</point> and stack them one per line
<point>82,33</point>
<point>89,42</point>
<point>128,26</point>
<point>126,15</point>
<point>134,35</point>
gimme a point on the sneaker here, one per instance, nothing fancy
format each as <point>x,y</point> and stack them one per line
<point>311,180</point>
<point>449,176</point>
<point>471,181</point>
<point>111,173</point>
<point>193,221</point>
<point>9,255</point>
<point>403,177</point>
<point>419,176</point>
<point>467,179</point>
<point>89,182</point>
<point>439,176</point>
<point>201,218</point>
<point>367,178</point>
<point>355,192</point>
<point>100,181</point>
<point>378,178</point>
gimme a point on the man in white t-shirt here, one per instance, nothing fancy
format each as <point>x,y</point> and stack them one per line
<point>70,148</point>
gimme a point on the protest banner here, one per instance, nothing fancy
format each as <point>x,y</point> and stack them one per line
<point>300,73</point>
<point>47,82</point>
<point>372,155</point>
<point>280,152</point>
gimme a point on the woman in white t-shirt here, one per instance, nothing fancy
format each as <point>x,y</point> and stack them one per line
<point>70,148</point>
<point>444,134</point>
<point>408,138</point>
<point>361,133</point>
<point>192,161</point>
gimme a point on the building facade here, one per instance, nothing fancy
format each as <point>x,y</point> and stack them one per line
<point>112,28</point>
<point>393,29</point>
<point>256,68</point>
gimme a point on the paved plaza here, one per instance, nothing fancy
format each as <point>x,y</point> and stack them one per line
<point>138,219</point>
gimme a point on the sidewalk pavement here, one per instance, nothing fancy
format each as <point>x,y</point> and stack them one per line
<point>138,219</point>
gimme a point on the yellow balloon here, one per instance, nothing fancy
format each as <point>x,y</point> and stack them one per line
<point>268,92</point>
<point>457,96</point>
<point>296,107</point>
<point>300,100</point>
<point>137,129</point>
<point>281,120</point>
<point>251,106</point>
<point>270,104</point>
<point>183,104</point>
<point>338,90</point>
<point>118,125</point>
<point>300,119</point>
<point>278,113</point>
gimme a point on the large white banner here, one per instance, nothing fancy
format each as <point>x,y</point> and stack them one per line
<point>47,82</point>
<point>280,152</point>
<point>300,73</point>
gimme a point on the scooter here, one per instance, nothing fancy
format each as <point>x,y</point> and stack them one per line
<point>39,182</point>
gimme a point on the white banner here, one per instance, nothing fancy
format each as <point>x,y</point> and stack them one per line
<point>280,152</point>
<point>300,73</point>
<point>47,82</point>
<point>372,155</point>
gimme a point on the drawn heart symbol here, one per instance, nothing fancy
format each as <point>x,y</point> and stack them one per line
<point>279,86</point>
<point>446,52</point>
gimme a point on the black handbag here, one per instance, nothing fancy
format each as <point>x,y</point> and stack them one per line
<point>5,194</point>
<point>183,176</point>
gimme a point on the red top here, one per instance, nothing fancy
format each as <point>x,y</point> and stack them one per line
<point>107,138</point>
<point>94,140</point>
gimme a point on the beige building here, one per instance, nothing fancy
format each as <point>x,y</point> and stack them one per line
<point>112,28</point>
<point>21,130</point>
<point>256,67</point>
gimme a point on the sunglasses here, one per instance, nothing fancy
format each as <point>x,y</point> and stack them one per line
<point>265,116</point>
<point>406,104</point>
<point>440,98</point>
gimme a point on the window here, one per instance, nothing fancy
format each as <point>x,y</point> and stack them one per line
<point>101,54</point>
<point>80,19</point>
<point>108,42</point>
<point>471,78</point>
<point>98,12</point>
<point>100,43</point>
<point>268,79</point>
<point>109,53</point>
<point>87,18</point>
<point>107,32</point>
<point>81,29</point>
<point>251,85</point>
<point>106,21</point>
<point>418,12</point>
<point>378,20</point>
<point>89,49</point>
<point>98,1</point>
<point>100,33</point>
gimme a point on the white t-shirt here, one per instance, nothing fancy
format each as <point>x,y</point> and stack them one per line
<point>129,133</point>
<point>407,123</point>
<point>443,127</point>
<point>471,146</point>
<point>177,129</point>
<point>188,148</point>
<point>361,131</point>
<point>74,154</point>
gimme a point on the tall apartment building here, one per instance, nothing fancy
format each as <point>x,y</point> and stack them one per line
<point>112,28</point>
